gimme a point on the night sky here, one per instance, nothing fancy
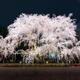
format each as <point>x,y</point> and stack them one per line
<point>10,9</point>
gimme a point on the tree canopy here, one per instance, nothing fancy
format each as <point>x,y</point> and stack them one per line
<point>40,34</point>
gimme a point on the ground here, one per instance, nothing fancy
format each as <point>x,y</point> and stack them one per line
<point>39,73</point>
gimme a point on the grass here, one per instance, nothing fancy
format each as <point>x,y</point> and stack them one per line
<point>37,65</point>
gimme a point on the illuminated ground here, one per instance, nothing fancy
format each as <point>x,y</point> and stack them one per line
<point>39,73</point>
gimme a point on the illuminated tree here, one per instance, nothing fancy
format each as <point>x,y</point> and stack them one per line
<point>42,35</point>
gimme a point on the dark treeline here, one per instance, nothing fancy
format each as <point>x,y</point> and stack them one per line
<point>3,31</point>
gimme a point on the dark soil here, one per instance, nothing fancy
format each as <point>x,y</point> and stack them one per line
<point>39,73</point>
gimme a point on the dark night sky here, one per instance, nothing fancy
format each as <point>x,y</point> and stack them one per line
<point>10,9</point>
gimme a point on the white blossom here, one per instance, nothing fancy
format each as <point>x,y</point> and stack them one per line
<point>42,35</point>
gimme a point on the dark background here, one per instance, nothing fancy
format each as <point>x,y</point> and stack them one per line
<point>10,9</point>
